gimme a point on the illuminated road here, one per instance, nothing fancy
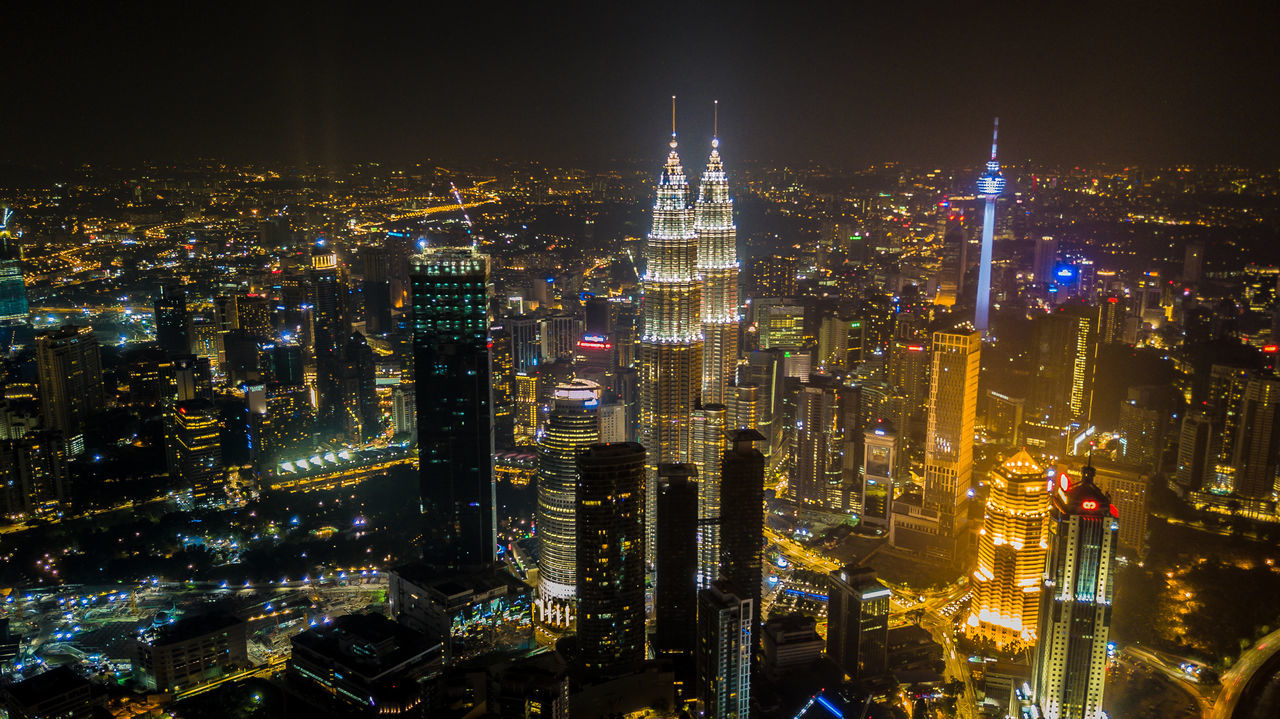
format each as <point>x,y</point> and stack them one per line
<point>1203,695</point>
<point>799,555</point>
<point>1236,680</point>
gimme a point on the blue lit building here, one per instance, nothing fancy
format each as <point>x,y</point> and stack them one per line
<point>990,185</point>
<point>449,292</point>
<point>13,289</point>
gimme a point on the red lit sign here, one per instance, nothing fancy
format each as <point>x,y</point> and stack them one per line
<point>1112,300</point>
<point>595,345</point>
<point>1271,349</point>
<point>915,348</point>
<point>1089,504</point>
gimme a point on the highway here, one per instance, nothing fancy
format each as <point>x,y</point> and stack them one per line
<point>1236,680</point>
<point>1160,663</point>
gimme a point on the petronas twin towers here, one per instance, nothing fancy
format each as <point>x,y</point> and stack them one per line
<point>690,310</point>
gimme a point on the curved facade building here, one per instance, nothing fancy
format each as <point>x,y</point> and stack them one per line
<point>718,267</point>
<point>574,425</point>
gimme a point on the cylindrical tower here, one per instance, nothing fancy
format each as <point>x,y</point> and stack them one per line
<point>718,267</point>
<point>708,453</point>
<point>990,185</point>
<point>574,425</point>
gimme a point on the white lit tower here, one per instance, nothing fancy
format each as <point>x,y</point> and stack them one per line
<point>718,266</point>
<point>671,346</point>
<point>990,185</point>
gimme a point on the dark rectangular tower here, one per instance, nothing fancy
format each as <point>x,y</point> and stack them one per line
<point>449,289</point>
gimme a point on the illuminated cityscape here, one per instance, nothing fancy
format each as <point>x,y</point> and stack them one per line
<point>360,377</point>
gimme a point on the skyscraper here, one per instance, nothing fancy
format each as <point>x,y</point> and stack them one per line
<point>69,365</point>
<point>1259,438</point>
<point>675,592</point>
<point>727,625</point>
<point>173,322</point>
<point>574,425</point>
<point>609,508</point>
<point>948,454</point>
<point>742,504</point>
<point>1064,349</point>
<point>858,622</point>
<point>880,458</point>
<point>816,475</point>
<point>449,288</point>
<point>194,444</point>
<point>1011,552</point>
<point>718,266</point>
<point>671,347</point>
<point>13,289</point>
<point>1075,603</point>
<point>990,185</point>
<point>709,423</point>
<point>331,328</point>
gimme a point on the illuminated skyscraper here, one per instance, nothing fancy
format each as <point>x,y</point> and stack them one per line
<point>671,347</point>
<point>990,185</point>
<point>858,622</point>
<point>173,322</point>
<point>1011,552</point>
<point>709,424</point>
<point>1259,438</point>
<point>331,328</point>
<point>718,266</point>
<point>726,627</point>
<point>69,366</point>
<point>194,444</point>
<point>816,472</point>
<point>741,506</point>
<point>1064,350</point>
<point>13,289</point>
<point>675,590</point>
<point>574,425</point>
<point>948,454</point>
<point>611,559</point>
<point>880,462</point>
<point>1075,604</point>
<point>449,291</point>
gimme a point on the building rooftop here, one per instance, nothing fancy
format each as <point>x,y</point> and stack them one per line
<point>189,628</point>
<point>43,687</point>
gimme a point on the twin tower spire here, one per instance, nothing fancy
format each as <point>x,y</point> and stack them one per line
<point>689,347</point>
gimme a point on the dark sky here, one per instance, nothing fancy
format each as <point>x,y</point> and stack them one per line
<point>1126,82</point>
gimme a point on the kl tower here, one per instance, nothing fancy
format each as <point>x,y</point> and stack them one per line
<point>990,185</point>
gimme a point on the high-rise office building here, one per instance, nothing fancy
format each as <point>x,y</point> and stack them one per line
<point>574,425</point>
<point>709,425</point>
<point>362,415</point>
<point>1075,604</point>
<point>990,185</point>
<point>69,366</point>
<point>331,328</point>
<point>764,370</point>
<point>194,449</point>
<point>609,513</point>
<point>742,503</point>
<point>816,444</point>
<point>773,276</point>
<point>779,324</point>
<point>718,266</point>
<point>33,475</point>
<point>858,622</point>
<point>948,459</point>
<point>1011,552</point>
<point>449,292</point>
<point>1063,355</point>
<point>1258,441</point>
<point>13,288</point>
<point>526,342</point>
<point>908,372</point>
<point>671,347</point>
<point>560,335</point>
<point>881,455</point>
<point>173,322</point>
<point>675,591</point>
<point>727,624</point>
<point>1044,259</point>
<point>526,407</point>
<point>1196,452</point>
<point>743,410</point>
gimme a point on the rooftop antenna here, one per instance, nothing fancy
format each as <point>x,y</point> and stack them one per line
<point>673,122</point>
<point>715,125</point>
<point>995,132</point>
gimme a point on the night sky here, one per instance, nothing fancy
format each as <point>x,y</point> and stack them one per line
<point>851,83</point>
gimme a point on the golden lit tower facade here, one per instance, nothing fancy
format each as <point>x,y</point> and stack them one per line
<point>718,266</point>
<point>709,426</point>
<point>948,454</point>
<point>573,426</point>
<point>671,346</point>
<point>1011,551</point>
